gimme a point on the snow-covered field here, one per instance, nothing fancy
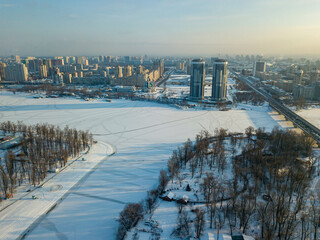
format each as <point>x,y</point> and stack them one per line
<point>143,134</point>
<point>312,115</point>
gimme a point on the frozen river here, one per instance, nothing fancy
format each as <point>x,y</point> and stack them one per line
<point>143,134</point>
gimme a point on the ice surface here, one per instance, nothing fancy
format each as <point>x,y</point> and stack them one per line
<point>143,134</point>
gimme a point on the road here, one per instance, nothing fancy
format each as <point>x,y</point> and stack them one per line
<point>166,77</point>
<point>298,121</point>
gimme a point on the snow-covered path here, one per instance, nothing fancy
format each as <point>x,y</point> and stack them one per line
<point>144,135</point>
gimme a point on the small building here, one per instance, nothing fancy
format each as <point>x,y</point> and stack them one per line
<point>169,197</point>
<point>183,200</point>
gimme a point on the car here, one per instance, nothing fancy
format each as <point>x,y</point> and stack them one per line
<point>34,197</point>
<point>53,170</point>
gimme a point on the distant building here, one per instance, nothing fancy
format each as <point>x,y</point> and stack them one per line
<point>189,69</point>
<point>259,67</point>
<point>286,85</point>
<point>107,69</point>
<point>306,92</point>
<point>16,72</point>
<point>107,59</point>
<point>101,58</point>
<point>127,71</point>
<point>161,71</point>
<point>79,60</point>
<point>314,75</point>
<point>219,80</point>
<point>31,64</point>
<point>66,60</point>
<point>159,65</point>
<point>16,58</point>
<point>2,71</point>
<point>48,64</point>
<point>72,60</point>
<point>127,59</point>
<point>67,78</point>
<point>316,86</point>
<point>213,59</point>
<point>298,75</point>
<point>197,79</point>
<point>67,68</point>
<point>43,73</point>
<point>119,72</point>
<point>57,62</point>
<point>57,76</point>
<point>139,69</point>
<point>180,65</point>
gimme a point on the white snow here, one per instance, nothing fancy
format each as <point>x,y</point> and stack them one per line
<point>15,219</point>
<point>312,115</point>
<point>143,134</point>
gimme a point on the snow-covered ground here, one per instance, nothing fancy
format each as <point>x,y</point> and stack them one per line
<point>144,135</point>
<point>17,218</point>
<point>312,115</point>
<point>165,213</point>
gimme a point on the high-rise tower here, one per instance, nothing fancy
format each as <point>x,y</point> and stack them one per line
<point>219,80</point>
<point>197,79</point>
<point>259,67</point>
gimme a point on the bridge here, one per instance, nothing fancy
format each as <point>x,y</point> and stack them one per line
<point>298,121</point>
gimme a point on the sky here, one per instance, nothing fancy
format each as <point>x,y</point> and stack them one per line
<point>159,27</point>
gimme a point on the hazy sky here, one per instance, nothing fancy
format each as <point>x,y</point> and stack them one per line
<point>159,27</point>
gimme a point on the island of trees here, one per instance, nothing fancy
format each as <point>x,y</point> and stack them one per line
<point>258,183</point>
<point>41,148</point>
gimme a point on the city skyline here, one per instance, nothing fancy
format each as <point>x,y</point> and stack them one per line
<point>46,28</point>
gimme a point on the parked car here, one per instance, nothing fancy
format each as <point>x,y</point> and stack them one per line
<point>34,197</point>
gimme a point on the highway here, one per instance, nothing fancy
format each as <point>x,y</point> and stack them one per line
<point>298,121</point>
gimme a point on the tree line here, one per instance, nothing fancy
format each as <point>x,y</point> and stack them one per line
<point>49,89</point>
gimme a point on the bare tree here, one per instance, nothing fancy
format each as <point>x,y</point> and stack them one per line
<point>163,180</point>
<point>199,222</point>
<point>209,189</point>
<point>128,218</point>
